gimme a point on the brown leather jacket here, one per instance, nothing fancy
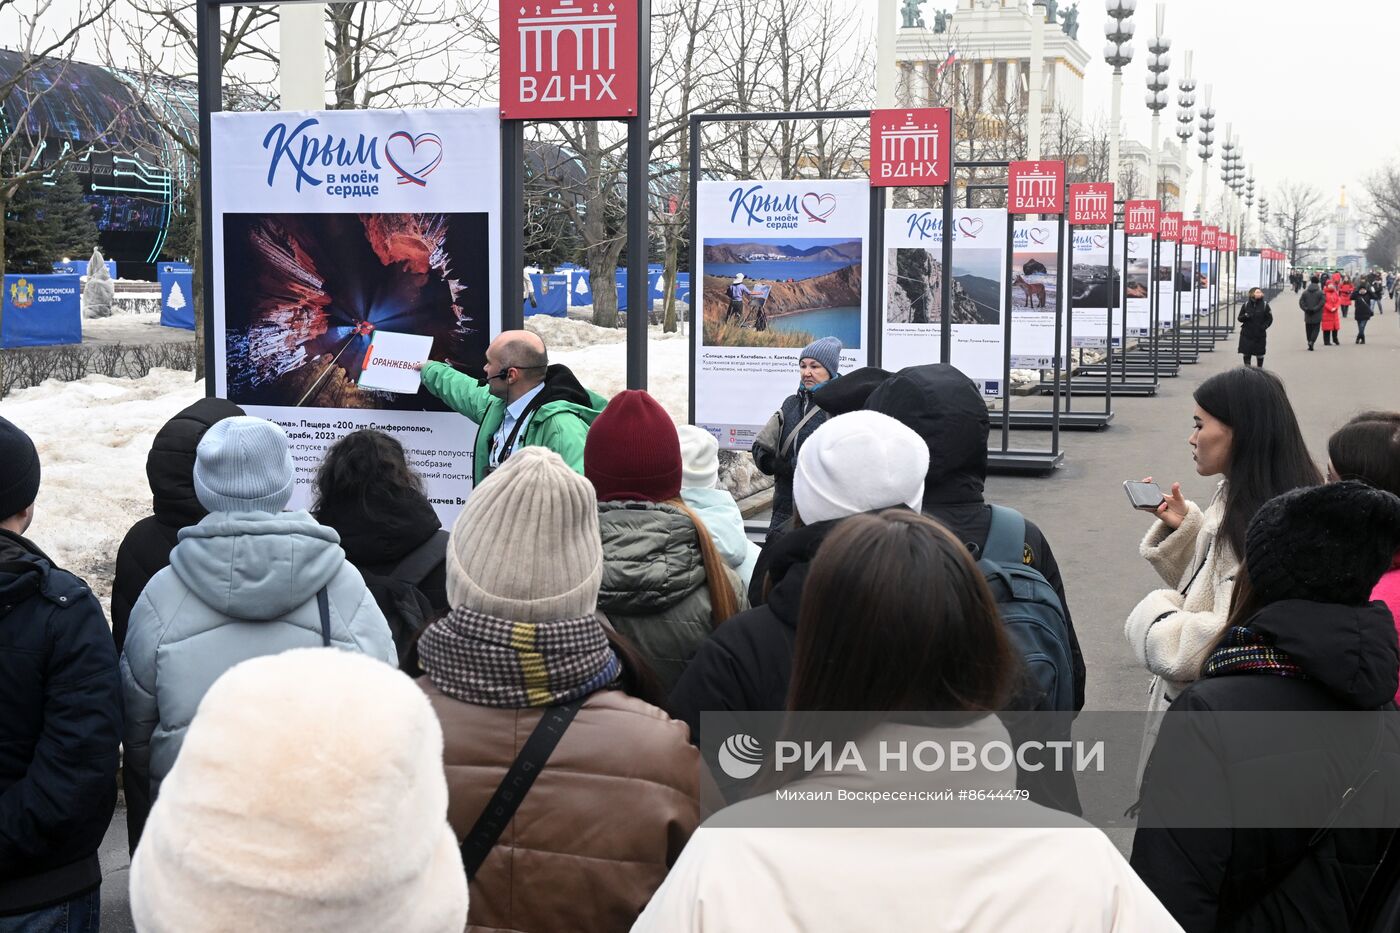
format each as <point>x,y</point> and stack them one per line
<point>600,828</point>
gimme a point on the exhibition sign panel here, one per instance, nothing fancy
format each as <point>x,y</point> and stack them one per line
<point>176,297</point>
<point>1091,205</point>
<point>911,147</point>
<point>1035,188</point>
<point>568,58</point>
<point>1036,270</point>
<point>779,265</point>
<point>1093,289</point>
<point>330,227</point>
<point>1141,278</point>
<point>913,314</point>
<point>1141,218</point>
<point>41,311</point>
<point>1178,279</point>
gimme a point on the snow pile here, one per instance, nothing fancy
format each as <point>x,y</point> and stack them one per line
<point>93,437</point>
<point>598,356</point>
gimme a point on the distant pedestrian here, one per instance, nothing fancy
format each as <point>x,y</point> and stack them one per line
<point>1346,289</point>
<point>1255,319</point>
<point>1362,300</point>
<point>1312,302</point>
<point>60,720</point>
<point>1331,316</point>
<point>778,444</point>
<point>309,796</point>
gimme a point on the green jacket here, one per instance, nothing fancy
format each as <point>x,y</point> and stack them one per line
<point>560,423</point>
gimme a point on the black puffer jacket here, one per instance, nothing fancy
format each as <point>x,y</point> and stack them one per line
<point>782,466</point>
<point>943,407</point>
<point>746,664</point>
<point>60,726</point>
<point>376,543</point>
<point>145,550</point>
<point>1361,304</point>
<point>1255,320</point>
<point>1312,301</point>
<point>1245,880</point>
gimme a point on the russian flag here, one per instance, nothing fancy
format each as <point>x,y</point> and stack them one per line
<point>952,57</point>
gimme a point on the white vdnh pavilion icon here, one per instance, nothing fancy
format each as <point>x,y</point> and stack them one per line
<point>910,142</point>
<point>1090,202</point>
<point>1038,186</point>
<point>597,29</point>
<point>1141,217</point>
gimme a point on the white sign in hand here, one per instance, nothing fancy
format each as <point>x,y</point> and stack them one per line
<point>392,362</point>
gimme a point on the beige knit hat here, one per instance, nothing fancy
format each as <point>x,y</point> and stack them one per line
<point>526,547</point>
<point>309,795</point>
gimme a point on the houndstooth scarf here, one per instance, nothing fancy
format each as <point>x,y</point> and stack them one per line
<point>1245,651</point>
<point>480,659</point>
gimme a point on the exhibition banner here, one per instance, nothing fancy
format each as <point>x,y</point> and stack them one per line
<point>1036,272</point>
<point>1093,289</point>
<point>913,318</point>
<point>1141,278</point>
<point>176,297</point>
<point>779,265</point>
<point>330,227</point>
<point>41,311</point>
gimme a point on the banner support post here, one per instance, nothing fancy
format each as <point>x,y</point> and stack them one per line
<point>945,330</point>
<point>1006,335</point>
<point>1059,320</point>
<point>638,207</point>
<point>1108,320</point>
<point>512,225</point>
<point>208,53</point>
<point>875,253</point>
<point>1067,302</point>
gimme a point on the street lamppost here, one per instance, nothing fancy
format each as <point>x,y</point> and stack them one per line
<point>1118,52</point>
<point>1263,220</point>
<point>1206,141</point>
<point>1159,60</point>
<point>1248,202</point>
<point>1185,117</point>
<point>1034,87</point>
<point>1227,173</point>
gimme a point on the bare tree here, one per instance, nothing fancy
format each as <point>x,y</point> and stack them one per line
<point>1299,224</point>
<point>45,59</point>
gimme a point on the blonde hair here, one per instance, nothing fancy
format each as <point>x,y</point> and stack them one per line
<point>724,603</point>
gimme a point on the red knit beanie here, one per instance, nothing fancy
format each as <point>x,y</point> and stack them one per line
<point>633,453</point>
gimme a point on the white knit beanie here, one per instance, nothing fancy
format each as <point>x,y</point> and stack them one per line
<point>526,547</point>
<point>859,462</point>
<point>243,465</point>
<point>699,458</point>
<point>309,795</point>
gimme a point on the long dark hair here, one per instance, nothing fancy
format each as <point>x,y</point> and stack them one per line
<point>367,468</point>
<point>1367,448</point>
<point>1267,454</point>
<point>896,616</point>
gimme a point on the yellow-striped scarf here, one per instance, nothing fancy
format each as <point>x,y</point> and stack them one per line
<point>488,661</point>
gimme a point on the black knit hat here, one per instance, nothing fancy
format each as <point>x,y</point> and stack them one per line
<point>19,470</point>
<point>1327,543</point>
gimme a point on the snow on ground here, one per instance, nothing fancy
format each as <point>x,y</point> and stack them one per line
<point>93,437</point>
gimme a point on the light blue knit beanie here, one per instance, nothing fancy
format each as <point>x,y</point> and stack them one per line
<point>243,465</point>
<point>826,351</point>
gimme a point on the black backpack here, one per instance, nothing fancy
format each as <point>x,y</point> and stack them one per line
<point>405,607</point>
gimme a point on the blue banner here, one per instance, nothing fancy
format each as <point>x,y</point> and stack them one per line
<point>581,288</point>
<point>174,267</point>
<point>79,267</point>
<point>41,311</point>
<point>176,296</point>
<point>551,294</point>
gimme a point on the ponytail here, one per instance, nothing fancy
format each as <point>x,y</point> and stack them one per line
<point>723,602</point>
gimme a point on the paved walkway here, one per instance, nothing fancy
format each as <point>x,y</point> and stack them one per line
<point>1084,513</point>
<point>1086,516</point>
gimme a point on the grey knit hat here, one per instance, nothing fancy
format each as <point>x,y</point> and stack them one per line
<point>826,351</point>
<point>526,548</point>
<point>243,465</point>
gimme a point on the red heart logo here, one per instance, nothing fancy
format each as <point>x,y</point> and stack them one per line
<point>970,227</point>
<point>819,206</point>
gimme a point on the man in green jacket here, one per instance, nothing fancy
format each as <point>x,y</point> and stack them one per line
<point>524,402</point>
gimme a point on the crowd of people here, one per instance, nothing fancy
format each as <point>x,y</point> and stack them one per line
<point>351,719</point>
<point>1330,299</point>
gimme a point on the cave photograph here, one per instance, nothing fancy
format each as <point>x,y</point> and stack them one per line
<point>304,295</point>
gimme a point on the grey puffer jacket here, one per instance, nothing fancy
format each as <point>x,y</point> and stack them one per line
<point>240,585</point>
<point>654,587</point>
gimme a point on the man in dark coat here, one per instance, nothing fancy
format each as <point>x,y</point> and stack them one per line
<point>145,551</point>
<point>60,720</point>
<point>1312,302</point>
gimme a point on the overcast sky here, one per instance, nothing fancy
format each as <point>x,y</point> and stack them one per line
<point>1307,87</point>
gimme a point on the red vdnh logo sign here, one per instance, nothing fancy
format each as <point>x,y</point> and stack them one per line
<point>1091,204</point>
<point>910,147</point>
<point>1171,226</point>
<point>1190,233</point>
<point>1035,188</point>
<point>1210,236</point>
<point>1141,217</point>
<point>568,58</point>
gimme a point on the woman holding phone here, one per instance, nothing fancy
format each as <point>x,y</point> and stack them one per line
<point>1243,430</point>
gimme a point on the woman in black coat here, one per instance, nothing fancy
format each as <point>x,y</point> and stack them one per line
<point>1302,639</point>
<point>1361,303</point>
<point>1255,318</point>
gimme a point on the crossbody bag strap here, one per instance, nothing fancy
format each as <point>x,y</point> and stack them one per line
<point>323,605</point>
<point>792,438</point>
<point>419,562</point>
<point>509,446</point>
<point>513,787</point>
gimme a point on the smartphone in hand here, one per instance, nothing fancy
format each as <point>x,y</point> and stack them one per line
<point>1147,496</point>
